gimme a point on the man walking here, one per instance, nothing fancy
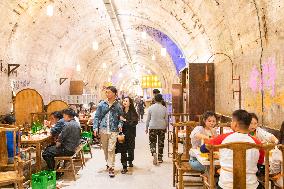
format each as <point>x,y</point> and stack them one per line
<point>107,120</point>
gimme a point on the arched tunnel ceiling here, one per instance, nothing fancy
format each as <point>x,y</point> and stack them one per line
<point>198,29</point>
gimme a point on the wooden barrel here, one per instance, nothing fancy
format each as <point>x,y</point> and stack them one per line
<point>27,101</point>
<point>56,105</point>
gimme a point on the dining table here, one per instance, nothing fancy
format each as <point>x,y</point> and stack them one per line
<point>203,157</point>
<point>39,141</point>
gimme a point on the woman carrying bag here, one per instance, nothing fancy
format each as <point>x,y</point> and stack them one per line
<point>130,119</point>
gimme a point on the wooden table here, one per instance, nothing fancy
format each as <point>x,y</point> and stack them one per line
<point>203,160</point>
<point>39,142</point>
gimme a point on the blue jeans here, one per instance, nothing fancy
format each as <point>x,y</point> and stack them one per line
<point>196,165</point>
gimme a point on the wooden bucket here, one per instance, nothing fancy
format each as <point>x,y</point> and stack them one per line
<point>27,101</point>
<point>56,105</point>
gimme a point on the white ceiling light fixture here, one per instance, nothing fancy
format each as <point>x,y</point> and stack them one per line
<point>95,45</point>
<point>49,10</point>
<point>104,65</point>
<point>153,57</point>
<point>163,51</point>
<point>78,67</point>
<point>143,34</point>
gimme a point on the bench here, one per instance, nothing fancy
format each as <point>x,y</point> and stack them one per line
<point>78,156</point>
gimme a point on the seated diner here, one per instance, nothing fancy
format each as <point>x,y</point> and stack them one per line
<point>241,120</point>
<point>260,133</point>
<point>68,140</point>
<point>200,134</point>
<point>57,123</point>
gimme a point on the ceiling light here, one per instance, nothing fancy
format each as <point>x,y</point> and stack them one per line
<point>95,45</point>
<point>163,51</point>
<point>153,57</point>
<point>78,68</point>
<point>143,34</point>
<point>104,65</point>
<point>49,10</point>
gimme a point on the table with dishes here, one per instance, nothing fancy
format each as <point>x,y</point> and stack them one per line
<point>39,141</point>
<point>203,158</point>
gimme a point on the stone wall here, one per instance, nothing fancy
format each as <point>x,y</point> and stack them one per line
<point>247,51</point>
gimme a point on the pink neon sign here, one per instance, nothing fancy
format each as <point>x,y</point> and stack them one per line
<point>268,79</point>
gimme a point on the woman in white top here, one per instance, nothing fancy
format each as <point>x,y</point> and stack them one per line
<point>201,134</point>
<point>275,162</point>
<point>260,133</point>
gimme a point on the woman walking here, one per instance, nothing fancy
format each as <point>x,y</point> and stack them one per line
<point>157,122</point>
<point>130,119</point>
<point>141,108</point>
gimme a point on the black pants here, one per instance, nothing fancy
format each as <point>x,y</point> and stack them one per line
<point>155,134</point>
<point>128,153</point>
<point>141,115</point>
<point>52,151</point>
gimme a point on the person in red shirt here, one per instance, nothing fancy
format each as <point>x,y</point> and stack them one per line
<point>240,125</point>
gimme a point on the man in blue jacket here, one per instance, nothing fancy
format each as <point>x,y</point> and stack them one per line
<point>107,119</point>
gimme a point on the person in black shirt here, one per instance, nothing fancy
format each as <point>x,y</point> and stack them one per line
<point>155,92</point>
<point>141,108</point>
<point>68,140</point>
<point>130,120</point>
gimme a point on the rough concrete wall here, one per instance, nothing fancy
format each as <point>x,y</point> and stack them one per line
<point>49,48</point>
<point>247,46</point>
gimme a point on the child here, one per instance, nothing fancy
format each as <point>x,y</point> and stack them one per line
<point>200,134</point>
<point>240,125</point>
<point>260,133</point>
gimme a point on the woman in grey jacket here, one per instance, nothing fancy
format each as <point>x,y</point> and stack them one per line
<point>156,124</point>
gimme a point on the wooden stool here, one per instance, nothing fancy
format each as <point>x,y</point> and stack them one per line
<point>78,156</point>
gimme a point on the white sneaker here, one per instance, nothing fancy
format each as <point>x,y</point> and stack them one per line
<point>155,159</point>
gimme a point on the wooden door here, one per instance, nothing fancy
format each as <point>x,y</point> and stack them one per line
<point>177,98</point>
<point>201,88</point>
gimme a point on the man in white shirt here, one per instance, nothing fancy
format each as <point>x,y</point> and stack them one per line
<point>240,126</point>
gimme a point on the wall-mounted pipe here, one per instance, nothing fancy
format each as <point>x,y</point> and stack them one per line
<point>239,91</point>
